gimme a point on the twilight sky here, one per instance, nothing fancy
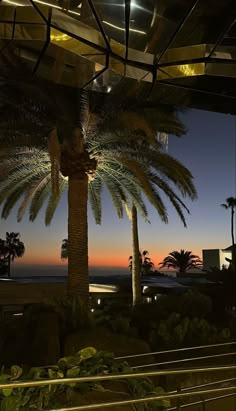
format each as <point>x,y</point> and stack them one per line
<point>209,151</point>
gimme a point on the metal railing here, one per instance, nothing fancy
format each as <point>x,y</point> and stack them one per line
<point>205,357</point>
<point>200,347</point>
<point>122,376</point>
<point>203,402</point>
<point>179,351</point>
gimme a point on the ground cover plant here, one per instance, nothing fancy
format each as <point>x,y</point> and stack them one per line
<point>86,362</point>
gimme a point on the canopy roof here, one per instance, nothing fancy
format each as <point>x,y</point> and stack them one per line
<point>180,52</point>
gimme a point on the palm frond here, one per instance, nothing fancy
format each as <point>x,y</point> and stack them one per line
<point>38,200</point>
<point>53,201</point>
<point>95,187</point>
<point>34,187</point>
<point>54,149</point>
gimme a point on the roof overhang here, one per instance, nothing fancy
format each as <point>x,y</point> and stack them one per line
<point>175,52</point>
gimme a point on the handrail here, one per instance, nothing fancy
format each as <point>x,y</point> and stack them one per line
<point>208,384</point>
<point>184,360</point>
<point>176,350</point>
<point>192,387</point>
<point>144,399</point>
<point>200,402</point>
<point>57,381</point>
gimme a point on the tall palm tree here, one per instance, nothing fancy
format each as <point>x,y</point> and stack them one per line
<point>231,205</point>
<point>175,174</point>
<point>181,261</point>
<point>123,174</point>
<point>64,249</point>
<point>35,112</point>
<point>74,150</point>
<point>14,248</point>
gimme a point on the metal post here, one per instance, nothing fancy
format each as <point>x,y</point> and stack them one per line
<point>203,404</point>
<point>178,402</point>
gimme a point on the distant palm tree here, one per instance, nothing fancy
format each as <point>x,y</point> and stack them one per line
<point>3,257</point>
<point>64,249</point>
<point>14,248</point>
<point>181,261</point>
<point>231,205</point>
<point>145,263</point>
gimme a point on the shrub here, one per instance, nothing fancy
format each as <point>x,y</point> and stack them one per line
<point>191,304</point>
<point>86,362</point>
<point>176,332</point>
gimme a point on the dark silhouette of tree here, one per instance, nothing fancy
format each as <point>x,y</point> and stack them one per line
<point>64,249</point>
<point>181,261</point>
<point>3,258</point>
<point>231,205</point>
<point>11,248</point>
<point>145,263</point>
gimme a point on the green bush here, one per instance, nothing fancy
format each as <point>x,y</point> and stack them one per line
<point>176,332</point>
<point>86,362</point>
<point>191,304</point>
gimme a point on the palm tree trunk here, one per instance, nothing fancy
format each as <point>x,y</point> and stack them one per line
<point>78,277</point>
<point>9,266</point>
<point>136,277</point>
<point>233,242</point>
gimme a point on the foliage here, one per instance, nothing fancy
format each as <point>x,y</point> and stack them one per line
<point>192,304</point>
<point>223,294</point>
<point>176,331</point>
<point>64,249</point>
<point>183,261</point>
<point>86,362</point>
<point>72,313</point>
<point>10,248</point>
<point>122,166</point>
<point>231,205</point>
<point>116,317</point>
<point>146,264</point>
<point>3,266</point>
<point>171,321</point>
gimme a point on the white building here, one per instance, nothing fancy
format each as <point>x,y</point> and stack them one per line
<point>215,258</point>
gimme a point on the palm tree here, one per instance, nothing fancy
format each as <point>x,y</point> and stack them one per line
<point>171,172</point>
<point>3,257</point>
<point>64,249</point>
<point>84,150</point>
<point>14,248</point>
<point>120,166</point>
<point>231,205</point>
<point>145,263</point>
<point>181,261</point>
<point>75,151</point>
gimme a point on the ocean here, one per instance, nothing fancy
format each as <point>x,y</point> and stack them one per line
<point>58,273</point>
<point>20,271</point>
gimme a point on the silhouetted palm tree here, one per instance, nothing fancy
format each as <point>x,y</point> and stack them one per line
<point>14,248</point>
<point>231,205</point>
<point>3,257</point>
<point>64,249</point>
<point>145,263</point>
<point>181,261</point>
